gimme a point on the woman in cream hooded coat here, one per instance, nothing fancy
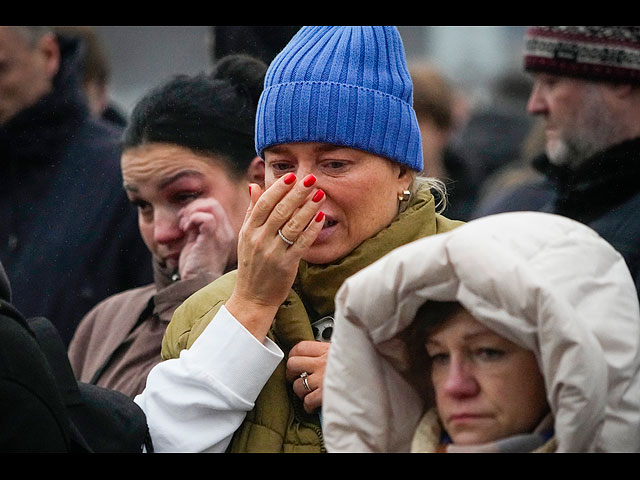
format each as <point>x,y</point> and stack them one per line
<point>544,282</point>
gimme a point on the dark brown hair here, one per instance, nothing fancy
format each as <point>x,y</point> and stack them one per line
<point>430,316</point>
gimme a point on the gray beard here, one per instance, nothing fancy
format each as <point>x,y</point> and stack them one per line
<point>594,130</point>
<point>571,154</point>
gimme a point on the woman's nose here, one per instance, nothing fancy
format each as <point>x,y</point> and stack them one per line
<point>305,173</point>
<point>460,380</point>
<point>166,227</point>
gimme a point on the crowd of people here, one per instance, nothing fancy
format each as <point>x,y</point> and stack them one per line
<point>290,253</point>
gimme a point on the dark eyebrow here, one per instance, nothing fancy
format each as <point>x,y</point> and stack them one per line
<point>184,173</point>
<point>163,183</point>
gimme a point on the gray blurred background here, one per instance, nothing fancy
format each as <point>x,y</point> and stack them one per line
<point>140,57</point>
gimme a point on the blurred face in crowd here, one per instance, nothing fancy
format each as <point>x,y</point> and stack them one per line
<point>162,179</point>
<point>26,70</point>
<point>434,141</point>
<point>578,121</point>
<point>361,192</point>
<point>486,387</point>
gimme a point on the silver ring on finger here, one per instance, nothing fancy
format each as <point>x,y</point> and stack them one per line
<point>285,239</point>
<point>304,376</point>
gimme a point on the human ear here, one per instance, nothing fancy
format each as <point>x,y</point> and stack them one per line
<point>405,177</point>
<point>49,51</point>
<point>255,172</point>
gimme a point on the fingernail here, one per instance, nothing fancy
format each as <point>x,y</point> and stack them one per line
<point>318,196</point>
<point>319,216</point>
<point>249,190</point>
<point>309,180</point>
<point>289,179</point>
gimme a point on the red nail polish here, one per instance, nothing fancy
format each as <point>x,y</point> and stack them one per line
<point>309,180</point>
<point>249,190</point>
<point>319,216</point>
<point>319,195</point>
<point>289,178</point>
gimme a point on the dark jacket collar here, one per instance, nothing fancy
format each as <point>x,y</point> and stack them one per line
<point>605,180</point>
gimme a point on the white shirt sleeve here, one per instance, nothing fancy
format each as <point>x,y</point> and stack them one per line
<point>196,402</point>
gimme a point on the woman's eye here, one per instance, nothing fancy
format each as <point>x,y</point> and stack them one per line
<point>279,167</point>
<point>140,204</point>
<point>488,354</point>
<point>334,164</point>
<point>184,197</point>
<point>439,358</point>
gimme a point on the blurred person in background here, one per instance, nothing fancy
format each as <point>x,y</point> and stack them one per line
<point>69,237</point>
<point>518,175</point>
<point>587,92</point>
<point>493,136</point>
<point>436,101</point>
<point>96,74</point>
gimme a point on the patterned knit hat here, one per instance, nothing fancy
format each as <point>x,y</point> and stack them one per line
<point>596,53</point>
<point>342,85</point>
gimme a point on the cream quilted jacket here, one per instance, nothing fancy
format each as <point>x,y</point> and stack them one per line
<point>545,282</point>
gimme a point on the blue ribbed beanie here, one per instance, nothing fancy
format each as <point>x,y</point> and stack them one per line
<point>342,85</point>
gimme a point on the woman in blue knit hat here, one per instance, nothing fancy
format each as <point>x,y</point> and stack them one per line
<point>245,356</point>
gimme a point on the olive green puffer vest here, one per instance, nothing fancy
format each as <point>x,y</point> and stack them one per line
<point>278,423</point>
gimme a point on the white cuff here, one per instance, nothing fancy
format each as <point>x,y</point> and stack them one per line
<point>248,363</point>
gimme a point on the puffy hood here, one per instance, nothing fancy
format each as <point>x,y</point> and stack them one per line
<point>545,282</point>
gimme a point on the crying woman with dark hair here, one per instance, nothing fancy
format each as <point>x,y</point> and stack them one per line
<point>188,159</point>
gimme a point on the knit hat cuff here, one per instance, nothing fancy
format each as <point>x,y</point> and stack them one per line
<point>339,114</point>
<point>573,52</point>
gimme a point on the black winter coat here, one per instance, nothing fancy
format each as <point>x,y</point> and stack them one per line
<point>42,406</point>
<point>33,417</point>
<point>68,236</point>
<point>603,194</point>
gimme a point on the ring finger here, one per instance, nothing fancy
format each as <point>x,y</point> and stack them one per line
<point>292,228</point>
<point>303,385</point>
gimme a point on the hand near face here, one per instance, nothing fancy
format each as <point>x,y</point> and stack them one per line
<point>267,265</point>
<point>310,357</point>
<point>210,244</point>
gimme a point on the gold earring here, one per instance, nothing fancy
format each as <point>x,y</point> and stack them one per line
<point>404,196</point>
